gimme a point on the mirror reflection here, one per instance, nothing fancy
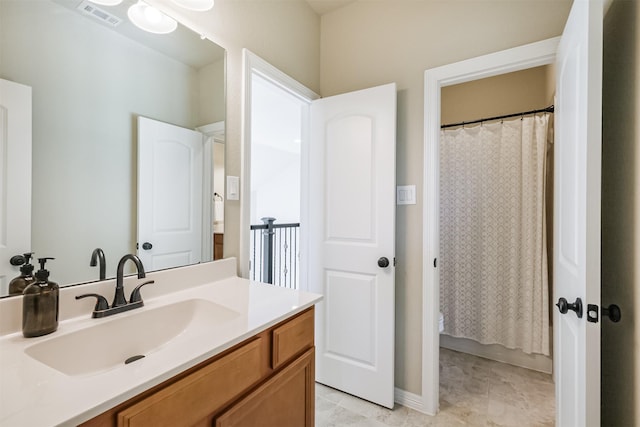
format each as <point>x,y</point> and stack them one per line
<point>96,88</point>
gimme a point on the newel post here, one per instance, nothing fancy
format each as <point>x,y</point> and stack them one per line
<point>267,250</point>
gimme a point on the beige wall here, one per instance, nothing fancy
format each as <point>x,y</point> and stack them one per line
<point>211,81</point>
<point>373,42</point>
<point>505,94</point>
<point>621,214</point>
<point>286,33</point>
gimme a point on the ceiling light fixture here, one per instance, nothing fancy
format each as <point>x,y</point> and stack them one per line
<point>107,2</point>
<point>151,19</point>
<point>197,5</point>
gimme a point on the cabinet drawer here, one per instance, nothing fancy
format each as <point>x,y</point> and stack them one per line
<point>195,396</point>
<point>292,339</point>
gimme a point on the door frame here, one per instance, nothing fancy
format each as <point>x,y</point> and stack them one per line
<point>506,61</point>
<point>253,64</point>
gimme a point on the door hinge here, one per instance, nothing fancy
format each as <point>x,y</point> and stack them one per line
<point>435,262</point>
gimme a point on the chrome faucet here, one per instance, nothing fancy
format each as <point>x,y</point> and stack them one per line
<point>98,255</point>
<point>120,303</point>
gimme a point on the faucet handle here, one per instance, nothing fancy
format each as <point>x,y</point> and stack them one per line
<point>135,295</point>
<point>101,302</point>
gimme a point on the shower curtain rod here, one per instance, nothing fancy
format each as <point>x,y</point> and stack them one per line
<point>549,109</point>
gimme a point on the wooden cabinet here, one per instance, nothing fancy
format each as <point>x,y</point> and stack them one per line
<point>267,380</point>
<point>218,246</point>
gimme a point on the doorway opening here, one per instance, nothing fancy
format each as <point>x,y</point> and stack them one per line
<point>214,149</point>
<point>275,163</point>
<point>511,60</point>
<point>276,148</point>
<point>495,254</point>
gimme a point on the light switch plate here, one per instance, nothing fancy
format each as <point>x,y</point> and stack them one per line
<point>233,188</point>
<point>406,195</point>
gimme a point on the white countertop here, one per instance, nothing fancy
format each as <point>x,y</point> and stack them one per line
<point>34,394</point>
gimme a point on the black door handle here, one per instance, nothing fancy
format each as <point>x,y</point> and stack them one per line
<point>146,246</point>
<point>565,306</point>
<point>383,262</point>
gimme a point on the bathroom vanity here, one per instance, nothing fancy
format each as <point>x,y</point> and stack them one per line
<point>267,380</point>
<point>218,350</point>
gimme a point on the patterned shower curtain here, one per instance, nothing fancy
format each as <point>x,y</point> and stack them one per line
<point>493,254</point>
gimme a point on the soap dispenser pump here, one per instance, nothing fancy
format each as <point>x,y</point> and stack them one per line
<point>40,304</point>
<point>18,284</point>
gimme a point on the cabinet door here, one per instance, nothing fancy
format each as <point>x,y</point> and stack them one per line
<point>286,400</point>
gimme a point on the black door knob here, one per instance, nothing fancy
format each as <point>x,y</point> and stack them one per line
<point>383,262</point>
<point>146,246</point>
<point>17,260</point>
<point>565,306</point>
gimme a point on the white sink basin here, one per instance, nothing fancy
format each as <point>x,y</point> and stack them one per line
<point>113,340</point>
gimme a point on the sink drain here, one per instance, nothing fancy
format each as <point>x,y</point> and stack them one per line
<point>133,359</point>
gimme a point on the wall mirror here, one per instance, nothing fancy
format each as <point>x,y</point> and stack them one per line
<point>91,81</point>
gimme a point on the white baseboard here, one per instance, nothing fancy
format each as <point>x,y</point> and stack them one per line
<point>536,362</point>
<point>410,400</point>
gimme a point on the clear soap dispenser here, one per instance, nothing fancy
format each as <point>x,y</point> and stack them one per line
<point>18,285</point>
<point>40,304</point>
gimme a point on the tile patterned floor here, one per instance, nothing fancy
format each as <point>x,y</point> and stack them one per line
<point>473,392</point>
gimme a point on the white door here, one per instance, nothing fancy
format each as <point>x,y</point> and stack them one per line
<point>578,145</point>
<point>170,177</point>
<point>15,176</point>
<point>352,229</point>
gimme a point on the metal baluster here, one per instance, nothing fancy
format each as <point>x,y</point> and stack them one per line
<point>289,257</point>
<point>280,257</point>
<point>252,264</point>
<point>294,262</point>
<point>260,257</point>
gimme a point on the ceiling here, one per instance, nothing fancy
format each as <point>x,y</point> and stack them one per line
<point>325,6</point>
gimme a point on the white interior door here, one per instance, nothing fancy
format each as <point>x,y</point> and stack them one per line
<point>170,192</point>
<point>352,227</point>
<point>578,145</point>
<point>15,176</point>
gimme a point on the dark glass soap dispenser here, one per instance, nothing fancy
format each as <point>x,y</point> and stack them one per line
<point>19,284</point>
<point>40,304</point>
